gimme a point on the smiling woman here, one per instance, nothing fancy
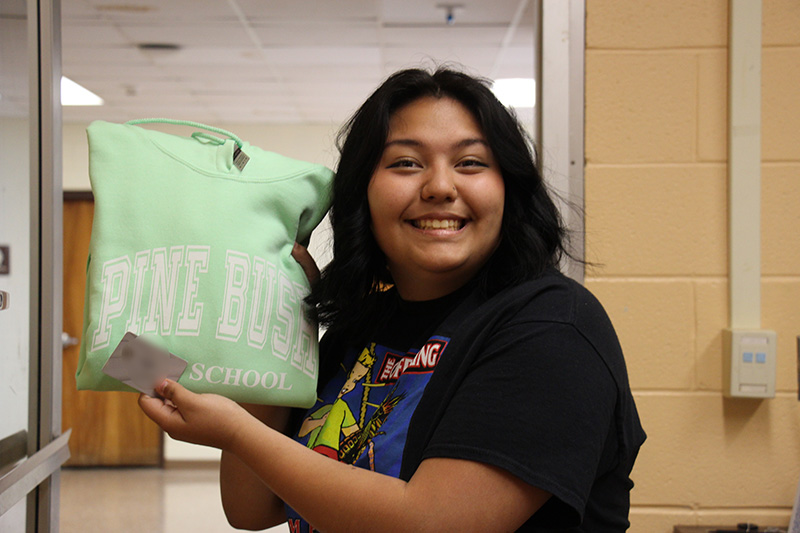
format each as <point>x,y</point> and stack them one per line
<point>471,385</point>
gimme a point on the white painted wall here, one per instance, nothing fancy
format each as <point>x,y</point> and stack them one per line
<point>15,321</point>
<point>309,142</point>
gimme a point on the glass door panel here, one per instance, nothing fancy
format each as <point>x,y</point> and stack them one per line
<point>15,238</point>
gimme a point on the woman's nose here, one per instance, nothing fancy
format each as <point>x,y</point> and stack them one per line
<point>439,185</point>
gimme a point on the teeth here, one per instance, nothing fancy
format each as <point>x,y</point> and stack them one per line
<point>448,224</point>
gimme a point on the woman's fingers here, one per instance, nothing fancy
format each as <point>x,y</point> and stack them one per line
<point>173,391</point>
<point>158,410</point>
<point>307,263</point>
<point>206,419</point>
<point>161,411</point>
<point>164,411</point>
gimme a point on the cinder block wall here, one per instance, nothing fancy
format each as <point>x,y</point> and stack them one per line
<point>656,223</point>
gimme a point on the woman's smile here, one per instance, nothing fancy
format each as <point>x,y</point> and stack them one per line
<point>441,224</point>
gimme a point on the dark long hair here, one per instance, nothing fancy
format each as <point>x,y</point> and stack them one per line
<point>532,234</point>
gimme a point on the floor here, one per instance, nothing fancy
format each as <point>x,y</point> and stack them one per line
<point>152,500</point>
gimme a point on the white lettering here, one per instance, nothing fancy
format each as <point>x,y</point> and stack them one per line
<point>303,357</point>
<point>253,373</point>
<point>115,295</point>
<point>283,383</point>
<point>229,373</point>
<point>230,324</point>
<point>283,331</point>
<point>236,377</point>
<point>263,281</point>
<point>264,380</point>
<point>197,371</point>
<point>191,315</point>
<point>208,374</point>
<point>140,263</point>
<point>163,289</point>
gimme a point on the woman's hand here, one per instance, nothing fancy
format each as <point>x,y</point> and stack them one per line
<point>301,255</point>
<point>206,419</point>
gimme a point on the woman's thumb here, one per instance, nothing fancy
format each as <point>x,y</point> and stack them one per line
<point>169,389</point>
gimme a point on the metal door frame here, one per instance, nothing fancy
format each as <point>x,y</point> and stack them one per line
<point>37,475</point>
<point>44,411</point>
<point>560,107</point>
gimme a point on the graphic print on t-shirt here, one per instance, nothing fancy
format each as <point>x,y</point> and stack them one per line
<point>333,429</point>
<point>363,414</point>
<point>364,421</point>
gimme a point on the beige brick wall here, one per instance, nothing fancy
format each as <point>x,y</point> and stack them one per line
<point>656,225</point>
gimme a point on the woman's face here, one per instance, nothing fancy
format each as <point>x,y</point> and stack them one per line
<point>436,198</point>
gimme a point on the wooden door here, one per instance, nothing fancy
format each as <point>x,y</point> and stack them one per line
<point>108,428</point>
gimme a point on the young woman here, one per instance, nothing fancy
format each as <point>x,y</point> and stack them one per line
<point>465,384</point>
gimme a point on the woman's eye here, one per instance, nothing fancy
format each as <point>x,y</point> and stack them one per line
<point>403,163</point>
<point>472,163</point>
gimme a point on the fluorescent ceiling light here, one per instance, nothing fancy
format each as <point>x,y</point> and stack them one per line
<point>74,94</point>
<point>515,92</point>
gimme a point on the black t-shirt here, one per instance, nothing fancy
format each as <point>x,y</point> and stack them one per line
<point>531,380</point>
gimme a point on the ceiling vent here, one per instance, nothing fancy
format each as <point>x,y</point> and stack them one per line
<point>135,9</point>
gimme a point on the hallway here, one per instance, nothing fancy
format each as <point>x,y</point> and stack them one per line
<point>138,500</point>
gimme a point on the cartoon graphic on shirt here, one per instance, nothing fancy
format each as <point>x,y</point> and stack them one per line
<point>354,444</point>
<point>325,425</point>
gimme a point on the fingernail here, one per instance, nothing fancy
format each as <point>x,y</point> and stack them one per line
<point>163,384</point>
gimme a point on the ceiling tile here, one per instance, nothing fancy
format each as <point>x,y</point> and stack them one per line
<point>320,74</point>
<point>472,59</point>
<point>323,55</point>
<point>151,11</point>
<point>11,9</point>
<point>452,36</point>
<point>189,34</point>
<point>332,12</point>
<point>314,33</point>
<point>100,56</point>
<point>90,33</point>
<point>117,72</point>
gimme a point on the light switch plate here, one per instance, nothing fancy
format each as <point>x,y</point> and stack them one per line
<point>5,259</point>
<point>750,363</point>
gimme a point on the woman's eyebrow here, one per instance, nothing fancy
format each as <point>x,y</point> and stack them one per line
<point>413,142</point>
<point>402,142</point>
<point>470,142</point>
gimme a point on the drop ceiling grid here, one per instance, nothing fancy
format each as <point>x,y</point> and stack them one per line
<point>316,62</point>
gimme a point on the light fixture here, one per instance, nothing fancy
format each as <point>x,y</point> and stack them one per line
<point>74,94</point>
<point>515,92</point>
<point>158,50</point>
<point>158,47</point>
<point>450,11</point>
